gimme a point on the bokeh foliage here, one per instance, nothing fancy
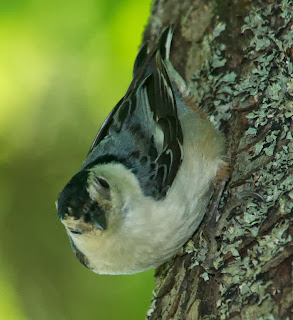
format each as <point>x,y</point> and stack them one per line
<point>64,65</point>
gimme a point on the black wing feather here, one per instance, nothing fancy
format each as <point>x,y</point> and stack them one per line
<point>148,112</point>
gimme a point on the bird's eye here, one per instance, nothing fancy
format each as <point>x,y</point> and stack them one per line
<point>103,183</point>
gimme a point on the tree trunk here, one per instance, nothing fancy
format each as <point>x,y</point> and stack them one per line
<point>237,58</point>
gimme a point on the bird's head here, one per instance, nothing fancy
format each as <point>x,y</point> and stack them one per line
<point>86,202</point>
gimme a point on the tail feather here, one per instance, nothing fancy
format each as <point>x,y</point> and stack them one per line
<point>163,47</point>
<point>165,42</point>
<point>140,58</point>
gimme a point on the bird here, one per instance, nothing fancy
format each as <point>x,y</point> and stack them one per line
<point>143,189</point>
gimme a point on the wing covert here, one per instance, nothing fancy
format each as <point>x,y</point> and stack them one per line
<point>143,130</point>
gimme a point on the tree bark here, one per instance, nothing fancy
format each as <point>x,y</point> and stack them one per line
<point>237,58</point>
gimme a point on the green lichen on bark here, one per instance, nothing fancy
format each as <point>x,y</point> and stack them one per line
<point>265,161</point>
<point>255,92</point>
<point>212,86</point>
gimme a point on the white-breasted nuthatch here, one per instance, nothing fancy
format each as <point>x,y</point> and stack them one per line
<point>143,189</point>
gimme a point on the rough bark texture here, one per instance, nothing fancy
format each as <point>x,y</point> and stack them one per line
<point>237,57</point>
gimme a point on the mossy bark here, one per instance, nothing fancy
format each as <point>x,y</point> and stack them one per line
<point>237,57</point>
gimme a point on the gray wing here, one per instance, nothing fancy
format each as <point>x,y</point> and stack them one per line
<point>143,131</point>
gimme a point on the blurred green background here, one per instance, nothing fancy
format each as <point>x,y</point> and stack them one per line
<point>63,66</point>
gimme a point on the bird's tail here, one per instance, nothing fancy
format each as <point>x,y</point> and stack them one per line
<point>163,47</point>
<point>165,42</point>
